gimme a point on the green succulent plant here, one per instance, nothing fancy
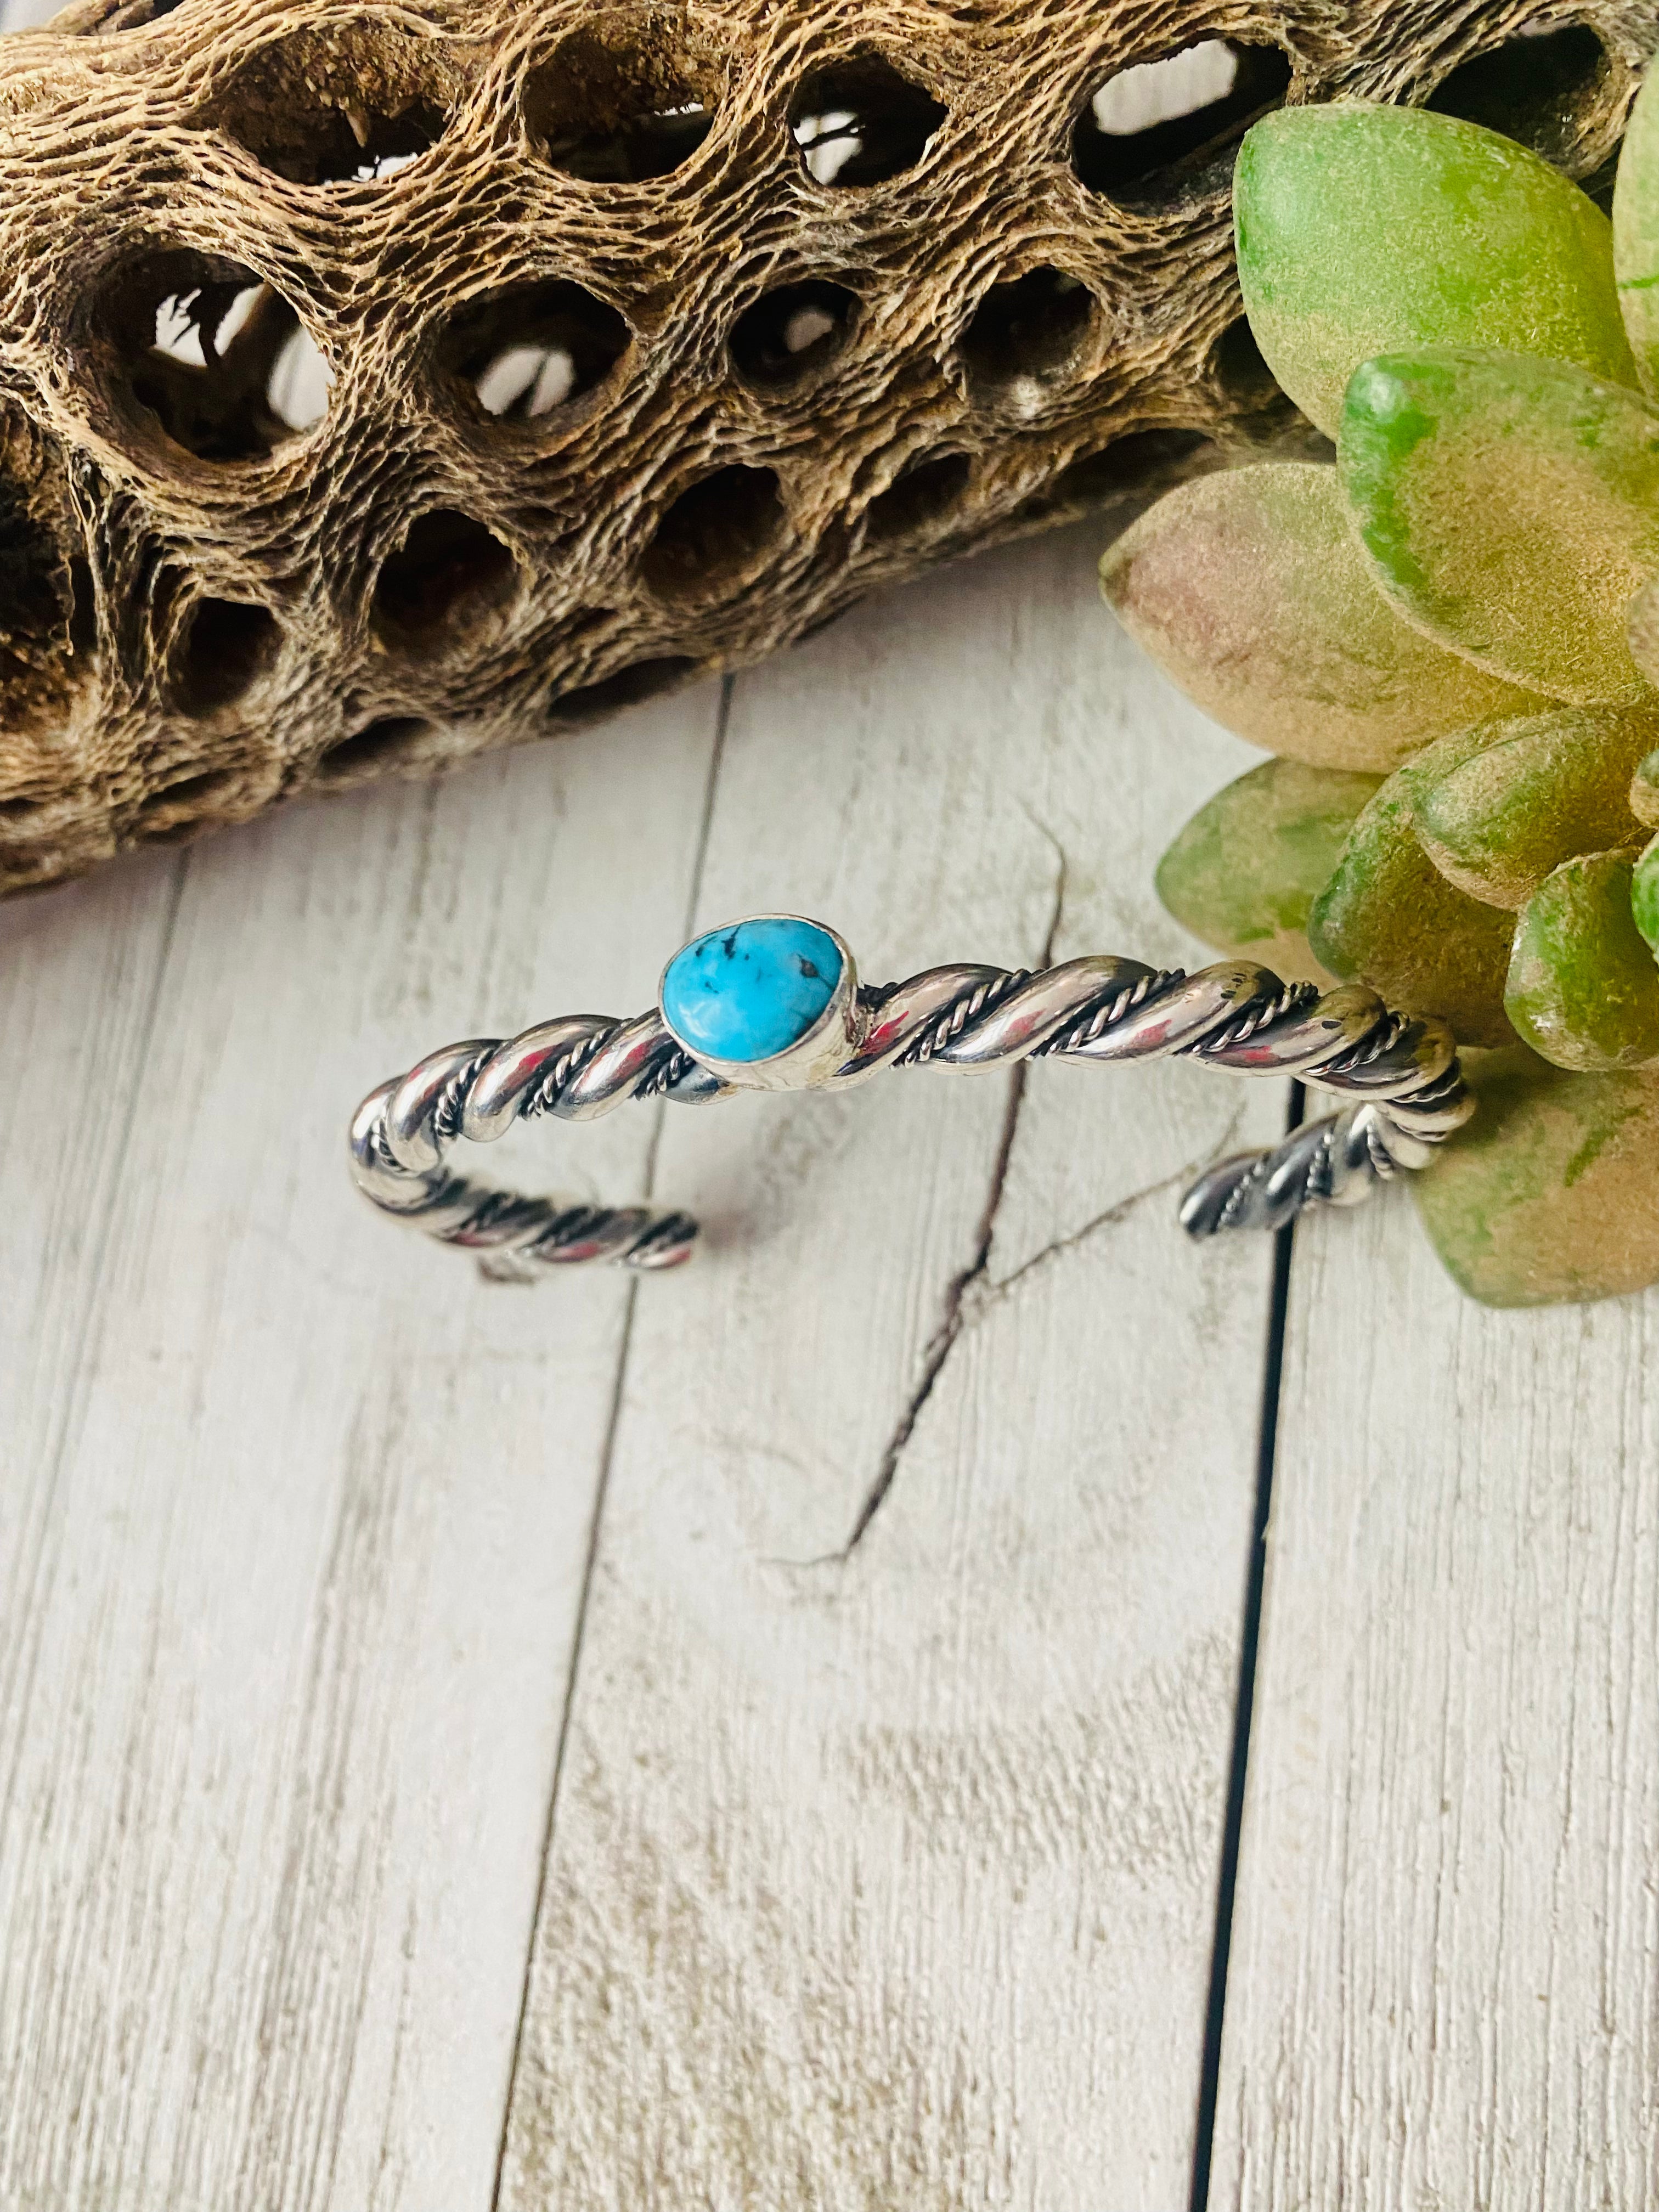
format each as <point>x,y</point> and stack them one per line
<point>1450,638</point>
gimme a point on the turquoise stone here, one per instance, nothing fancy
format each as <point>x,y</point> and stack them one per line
<point>751,990</point>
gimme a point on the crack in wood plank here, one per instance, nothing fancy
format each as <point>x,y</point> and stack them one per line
<point>1110,1216</point>
<point>970,1296</point>
<point>943,1341</point>
<point>969,1293</point>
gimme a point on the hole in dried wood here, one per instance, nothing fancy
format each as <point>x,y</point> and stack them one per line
<point>38,611</point>
<point>628,97</point>
<point>212,355</point>
<point>920,496</point>
<point>447,577</point>
<point>623,687</point>
<point>860,122</point>
<point>524,352</point>
<point>179,810</point>
<point>227,645</point>
<point>187,790</point>
<point>180,806</point>
<point>1535,88</point>
<point>1236,365</point>
<point>32,613</point>
<point>382,743</point>
<point>1140,461</point>
<point>716,534</point>
<point>83,609</point>
<point>351,104</point>
<point>1152,131</point>
<point>791,330</point>
<point>134,15</point>
<point>1026,334</point>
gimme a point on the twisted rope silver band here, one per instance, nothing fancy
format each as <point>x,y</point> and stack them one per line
<point>1401,1073</point>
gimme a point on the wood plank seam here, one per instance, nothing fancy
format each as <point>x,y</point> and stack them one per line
<point>307,1598</point>
<point>1442,1984</point>
<point>717,753</point>
<point>1244,1701</point>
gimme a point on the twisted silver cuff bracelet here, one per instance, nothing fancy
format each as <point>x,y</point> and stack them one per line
<point>774,1003</point>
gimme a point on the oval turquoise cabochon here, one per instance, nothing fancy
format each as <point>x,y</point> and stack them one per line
<point>750,990</point>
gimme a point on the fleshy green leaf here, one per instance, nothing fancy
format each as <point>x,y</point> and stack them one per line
<point>1584,989</point>
<point>1510,507</point>
<point>1366,229</point>
<point>1636,232</point>
<point>1645,897</point>
<point>1388,918</point>
<point>1249,588</point>
<point>1243,873</point>
<point>1550,1192</point>
<point>1548,787</point>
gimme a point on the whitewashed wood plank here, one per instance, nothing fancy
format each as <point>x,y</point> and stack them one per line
<point>80,974</point>
<point>1444,1982</point>
<point>890,1879</point>
<point>296,1612</point>
<point>27,14</point>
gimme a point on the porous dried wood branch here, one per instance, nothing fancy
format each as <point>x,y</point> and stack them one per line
<point>381,385</point>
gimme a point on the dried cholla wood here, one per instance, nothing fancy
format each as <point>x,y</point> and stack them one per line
<point>628,382</point>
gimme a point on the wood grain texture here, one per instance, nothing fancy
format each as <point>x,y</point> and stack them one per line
<point>296,1509</point>
<point>883,1857</point>
<point>1445,1985</point>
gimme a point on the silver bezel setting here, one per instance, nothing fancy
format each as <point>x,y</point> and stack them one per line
<point>813,1058</point>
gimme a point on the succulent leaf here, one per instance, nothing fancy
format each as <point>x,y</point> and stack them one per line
<point>1584,988</point>
<point>1251,589</point>
<point>1244,871</point>
<point>1388,918</point>
<point>1550,1192</point>
<point>1365,229</point>
<point>1511,509</point>
<point>1636,232</point>
<point>1645,897</point>
<point>1548,789</point>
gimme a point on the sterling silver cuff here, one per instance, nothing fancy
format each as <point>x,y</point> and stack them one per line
<point>774,1003</point>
